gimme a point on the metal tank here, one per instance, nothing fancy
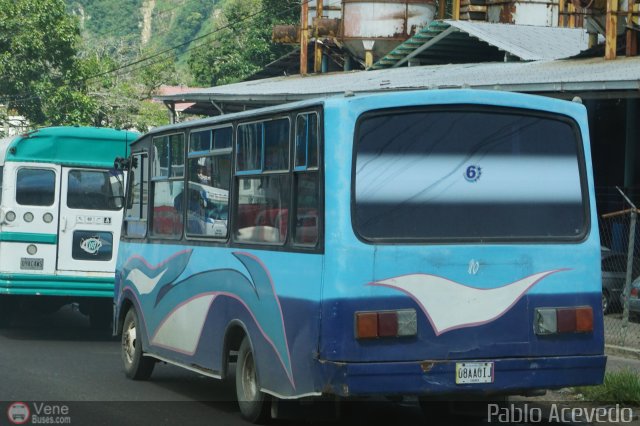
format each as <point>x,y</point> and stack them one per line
<point>542,13</point>
<point>374,27</point>
<point>331,9</point>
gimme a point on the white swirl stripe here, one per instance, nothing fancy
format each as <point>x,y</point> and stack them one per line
<point>182,328</point>
<point>450,305</point>
<point>142,282</point>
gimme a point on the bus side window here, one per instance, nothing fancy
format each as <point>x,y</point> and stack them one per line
<point>307,181</point>
<point>264,183</point>
<point>137,198</point>
<point>168,186</point>
<point>209,176</point>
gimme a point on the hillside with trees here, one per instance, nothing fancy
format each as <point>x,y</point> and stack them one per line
<point>99,62</point>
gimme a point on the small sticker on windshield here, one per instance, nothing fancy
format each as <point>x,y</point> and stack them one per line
<point>473,173</point>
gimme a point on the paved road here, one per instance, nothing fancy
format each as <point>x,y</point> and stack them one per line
<point>59,358</point>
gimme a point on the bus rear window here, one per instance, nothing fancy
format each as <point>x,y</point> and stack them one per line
<point>468,173</point>
<point>35,187</point>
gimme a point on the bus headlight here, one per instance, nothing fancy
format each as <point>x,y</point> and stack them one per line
<point>32,249</point>
<point>10,216</point>
<point>28,217</point>
<point>47,217</point>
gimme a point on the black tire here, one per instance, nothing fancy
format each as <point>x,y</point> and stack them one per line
<point>255,406</point>
<point>136,366</point>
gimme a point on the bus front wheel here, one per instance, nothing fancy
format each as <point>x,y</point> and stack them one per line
<point>136,366</point>
<point>255,406</point>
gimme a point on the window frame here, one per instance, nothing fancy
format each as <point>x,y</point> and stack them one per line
<point>55,184</point>
<point>145,146</point>
<point>154,180</point>
<point>239,175</point>
<point>211,154</point>
<point>297,171</point>
<point>144,181</point>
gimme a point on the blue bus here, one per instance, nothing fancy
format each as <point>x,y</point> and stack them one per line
<point>424,243</point>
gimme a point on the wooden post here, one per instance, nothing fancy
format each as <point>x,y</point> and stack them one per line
<point>612,30</point>
<point>456,10</point>
<point>561,21</point>
<point>304,36</point>
<point>572,15</point>
<point>317,60</point>
<point>442,9</point>
<point>632,40</point>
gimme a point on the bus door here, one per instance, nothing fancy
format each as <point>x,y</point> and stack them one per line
<point>28,215</point>
<point>90,219</point>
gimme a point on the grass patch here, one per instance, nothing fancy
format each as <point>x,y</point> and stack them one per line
<point>619,386</point>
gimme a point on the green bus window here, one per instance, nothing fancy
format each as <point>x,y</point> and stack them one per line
<point>92,190</point>
<point>35,187</point>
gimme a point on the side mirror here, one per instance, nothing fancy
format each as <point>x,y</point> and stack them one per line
<point>118,201</point>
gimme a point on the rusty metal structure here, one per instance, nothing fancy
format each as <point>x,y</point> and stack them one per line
<point>369,29</point>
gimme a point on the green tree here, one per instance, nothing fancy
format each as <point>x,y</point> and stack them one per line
<point>39,74</point>
<point>122,95</point>
<point>241,43</point>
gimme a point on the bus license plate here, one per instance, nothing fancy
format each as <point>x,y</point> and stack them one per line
<point>33,264</point>
<point>474,372</point>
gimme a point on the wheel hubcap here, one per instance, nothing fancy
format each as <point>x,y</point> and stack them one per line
<point>129,342</point>
<point>249,382</point>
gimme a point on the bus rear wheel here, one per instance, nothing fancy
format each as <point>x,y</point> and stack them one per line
<point>136,365</point>
<point>255,406</point>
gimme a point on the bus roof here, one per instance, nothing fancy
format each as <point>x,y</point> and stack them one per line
<point>390,99</point>
<point>76,146</point>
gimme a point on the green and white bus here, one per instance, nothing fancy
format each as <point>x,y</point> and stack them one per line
<point>60,217</point>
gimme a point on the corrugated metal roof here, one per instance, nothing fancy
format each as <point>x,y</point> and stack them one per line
<point>540,76</point>
<point>527,42</point>
<point>568,77</point>
<point>448,41</point>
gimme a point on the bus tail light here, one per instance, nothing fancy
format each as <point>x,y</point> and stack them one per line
<point>563,320</point>
<point>372,325</point>
<point>634,293</point>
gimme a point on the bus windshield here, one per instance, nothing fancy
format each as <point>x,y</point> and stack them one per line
<point>468,173</point>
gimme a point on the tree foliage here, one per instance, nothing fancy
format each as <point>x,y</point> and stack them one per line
<point>241,44</point>
<point>39,74</point>
<point>122,98</point>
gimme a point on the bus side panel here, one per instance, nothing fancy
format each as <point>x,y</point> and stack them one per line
<point>190,297</point>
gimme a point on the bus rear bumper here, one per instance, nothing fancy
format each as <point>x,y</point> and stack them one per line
<point>510,376</point>
<point>56,285</point>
